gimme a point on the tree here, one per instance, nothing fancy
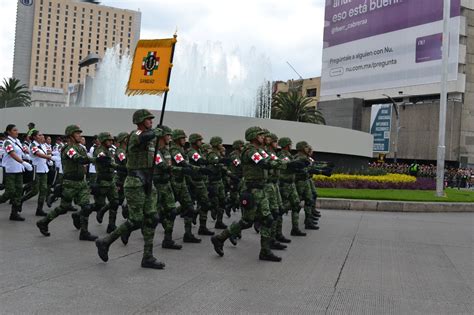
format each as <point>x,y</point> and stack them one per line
<point>14,94</point>
<point>292,106</point>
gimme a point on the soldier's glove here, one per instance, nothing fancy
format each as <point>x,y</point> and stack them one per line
<point>103,159</point>
<point>146,136</point>
<point>327,172</point>
<point>225,161</point>
<point>83,160</point>
<point>187,170</point>
<point>205,171</point>
<point>297,165</point>
<point>27,166</point>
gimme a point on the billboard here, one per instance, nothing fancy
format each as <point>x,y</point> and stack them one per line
<point>381,44</point>
<point>380,127</point>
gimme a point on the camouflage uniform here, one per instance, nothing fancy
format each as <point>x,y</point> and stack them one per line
<point>166,201</point>
<point>105,181</point>
<point>289,194</point>
<point>197,181</point>
<point>121,162</point>
<point>139,191</point>
<point>74,188</point>
<point>255,175</point>
<point>303,186</point>
<point>216,185</point>
<point>180,188</point>
<point>236,169</point>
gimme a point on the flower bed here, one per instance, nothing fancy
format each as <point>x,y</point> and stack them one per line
<point>389,181</point>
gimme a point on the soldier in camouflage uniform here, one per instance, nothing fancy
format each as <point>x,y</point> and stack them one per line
<point>197,181</point>
<point>121,162</point>
<point>272,189</point>
<point>106,182</point>
<point>166,201</point>
<point>180,188</point>
<point>74,186</point>
<point>303,186</point>
<point>289,194</point>
<point>139,190</point>
<point>236,169</point>
<point>316,213</point>
<point>216,185</point>
<point>255,168</point>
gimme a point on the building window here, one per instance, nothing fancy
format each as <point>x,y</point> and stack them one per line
<point>311,92</point>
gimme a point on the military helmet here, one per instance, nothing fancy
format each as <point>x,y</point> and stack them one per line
<point>301,145</point>
<point>206,147</point>
<point>266,132</point>
<point>166,130</point>
<point>252,133</point>
<point>140,115</point>
<point>194,137</point>
<point>272,136</point>
<point>104,136</point>
<point>283,142</point>
<point>237,144</point>
<point>178,134</point>
<point>121,137</point>
<point>71,129</point>
<point>215,141</point>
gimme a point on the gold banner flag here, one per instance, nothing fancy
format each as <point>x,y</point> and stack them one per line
<point>151,67</point>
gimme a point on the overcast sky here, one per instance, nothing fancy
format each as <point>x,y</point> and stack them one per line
<point>283,30</point>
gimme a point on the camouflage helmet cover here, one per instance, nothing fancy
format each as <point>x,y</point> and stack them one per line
<point>215,141</point>
<point>252,133</point>
<point>166,130</point>
<point>121,137</point>
<point>104,136</point>
<point>285,141</point>
<point>273,136</point>
<point>194,137</point>
<point>178,134</point>
<point>237,144</point>
<point>71,129</point>
<point>140,115</point>
<point>301,145</point>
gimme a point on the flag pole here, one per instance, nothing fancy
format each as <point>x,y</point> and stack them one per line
<point>167,83</point>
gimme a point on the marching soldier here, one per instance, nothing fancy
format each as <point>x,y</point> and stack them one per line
<point>105,181</point>
<point>74,186</point>
<point>40,157</point>
<point>236,169</point>
<point>139,190</point>
<point>14,167</point>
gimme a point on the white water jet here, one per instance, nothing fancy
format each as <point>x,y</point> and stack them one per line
<point>205,79</point>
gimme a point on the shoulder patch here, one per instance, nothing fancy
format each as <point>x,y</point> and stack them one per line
<point>71,152</point>
<point>264,154</point>
<point>178,158</point>
<point>121,156</point>
<point>196,156</point>
<point>158,159</point>
<point>256,157</point>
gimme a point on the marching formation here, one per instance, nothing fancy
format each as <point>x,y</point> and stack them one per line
<point>155,175</point>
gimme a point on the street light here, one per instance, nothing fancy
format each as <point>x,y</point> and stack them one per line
<point>90,60</point>
<point>395,107</point>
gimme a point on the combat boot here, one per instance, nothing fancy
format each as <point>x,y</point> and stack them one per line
<point>204,231</point>
<point>297,232</point>
<point>125,211</point>
<point>256,226</point>
<point>43,228</point>
<point>190,238</point>
<point>40,212</point>
<point>125,236</point>
<point>233,240</point>
<point>14,215</point>
<point>170,244</point>
<point>269,256</point>
<point>87,236</point>
<point>111,228</point>
<point>282,239</point>
<point>76,219</point>
<point>100,214</point>
<point>220,225</point>
<point>152,263</point>
<point>311,226</point>
<point>214,214</point>
<point>277,246</point>
<point>102,249</point>
<point>227,211</point>
<point>218,245</point>
<point>50,200</point>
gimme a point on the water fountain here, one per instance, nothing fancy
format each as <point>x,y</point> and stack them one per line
<point>205,79</point>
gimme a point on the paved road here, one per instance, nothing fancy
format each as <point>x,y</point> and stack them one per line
<point>359,262</point>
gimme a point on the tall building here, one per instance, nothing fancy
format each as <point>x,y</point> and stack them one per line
<point>53,36</point>
<point>310,87</point>
<point>395,51</point>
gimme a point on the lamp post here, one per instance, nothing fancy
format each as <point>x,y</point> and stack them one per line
<point>443,102</point>
<point>90,60</point>
<point>397,131</point>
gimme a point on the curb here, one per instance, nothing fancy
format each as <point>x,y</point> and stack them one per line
<point>392,206</point>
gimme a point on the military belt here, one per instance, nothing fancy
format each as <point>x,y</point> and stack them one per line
<point>73,177</point>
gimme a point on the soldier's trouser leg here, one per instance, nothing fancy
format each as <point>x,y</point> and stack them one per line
<point>304,193</point>
<point>33,189</point>
<point>13,190</point>
<point>187,208</point>
<point>167,204</point>
<point>43,189</point>
<point>67,197</point>
<point>245,222</point>
<point>112,196</point>
<point>81,199</point>
<point>263,209</point>
<point>202,196</point>
<point>270,192</point>
<point>220,201</point>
